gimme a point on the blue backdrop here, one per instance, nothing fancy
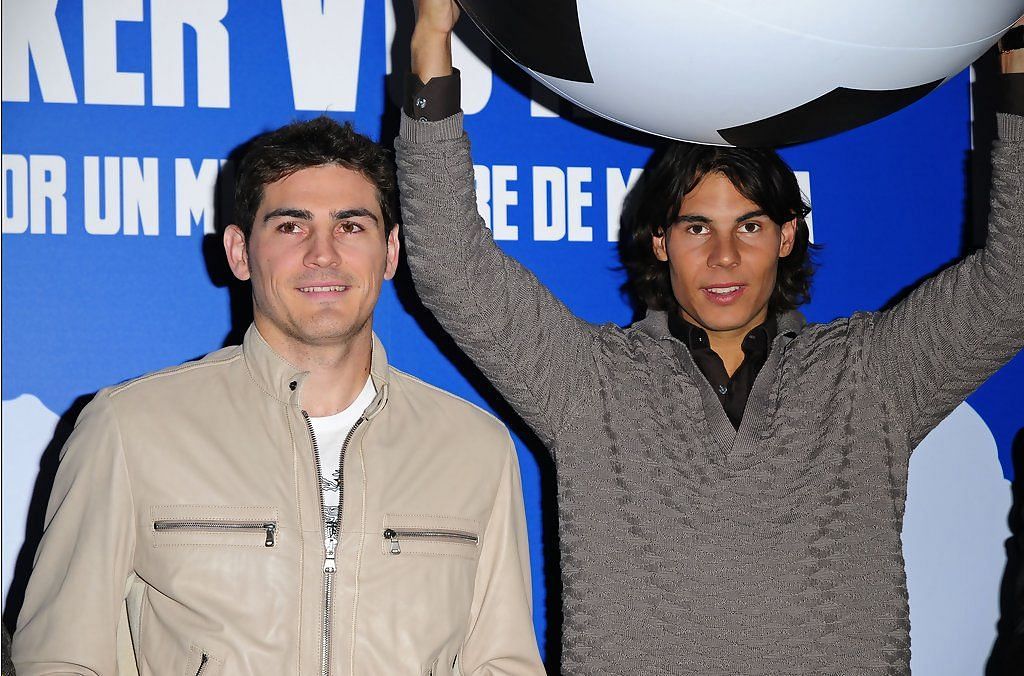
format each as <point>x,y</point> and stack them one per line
<point>117,113</point>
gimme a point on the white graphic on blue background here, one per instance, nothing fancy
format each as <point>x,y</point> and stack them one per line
<point>953,534</point>
<point>28,427</point>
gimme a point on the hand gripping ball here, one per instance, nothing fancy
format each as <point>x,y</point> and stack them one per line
<point>743,72</point>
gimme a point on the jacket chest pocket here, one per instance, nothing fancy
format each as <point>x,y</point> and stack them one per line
<point>416,535</point>
<point>214,526</point>
<point>427,563</point>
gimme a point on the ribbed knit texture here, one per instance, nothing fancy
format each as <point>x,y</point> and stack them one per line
<point>689,547</point>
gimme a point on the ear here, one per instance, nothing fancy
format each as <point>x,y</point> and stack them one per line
<point>237,252</point>
<point>788,238</point>
<point>391,255</point>
<point>660,245</point>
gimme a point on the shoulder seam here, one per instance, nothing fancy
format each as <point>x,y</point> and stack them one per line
<point>181,368</point>
<point>447,394</point>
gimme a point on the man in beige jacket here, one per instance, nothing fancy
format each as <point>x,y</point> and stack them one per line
<point>292,505</point>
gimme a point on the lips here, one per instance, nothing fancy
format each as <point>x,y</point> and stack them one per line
<point>723,294</point>
<point>324,293</point>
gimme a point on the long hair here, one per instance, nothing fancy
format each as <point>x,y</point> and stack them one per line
<point>653,205</point>
<point>314,143</point>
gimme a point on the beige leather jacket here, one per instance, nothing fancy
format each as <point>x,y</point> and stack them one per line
<point>185,534</point>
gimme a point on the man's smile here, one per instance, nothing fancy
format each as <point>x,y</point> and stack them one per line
<point>723,294</point>
<point>323,289</point>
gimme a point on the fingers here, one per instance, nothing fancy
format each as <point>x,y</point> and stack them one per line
<point>431,48</point>
<point>1012,48</point>
<point>436,16</point>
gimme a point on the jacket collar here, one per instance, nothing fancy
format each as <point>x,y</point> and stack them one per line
<point>282,380</point>
<point>655,324</point>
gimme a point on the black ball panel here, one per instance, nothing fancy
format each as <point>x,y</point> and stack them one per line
<point>836,111</point>
<point>542,35</point>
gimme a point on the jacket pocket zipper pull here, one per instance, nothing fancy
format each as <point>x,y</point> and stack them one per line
<point>390,534</point>
<point>271,528</point>
<point>202,664</point>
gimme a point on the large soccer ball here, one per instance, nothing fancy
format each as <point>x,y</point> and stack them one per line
<point>743,72</point>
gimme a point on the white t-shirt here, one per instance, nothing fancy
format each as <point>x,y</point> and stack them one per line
<point>330,432</point>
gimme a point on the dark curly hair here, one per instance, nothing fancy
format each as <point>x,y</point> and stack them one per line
<point>653,205</point>
<point>301,145</point>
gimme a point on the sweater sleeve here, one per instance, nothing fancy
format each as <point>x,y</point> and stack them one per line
<point>958,328</point>
<point>526,341</point>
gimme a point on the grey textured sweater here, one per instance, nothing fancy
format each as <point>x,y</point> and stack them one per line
<point>689,547</point>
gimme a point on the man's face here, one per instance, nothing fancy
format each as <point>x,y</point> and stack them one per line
<point>723,254</point>
<point>317,257</point>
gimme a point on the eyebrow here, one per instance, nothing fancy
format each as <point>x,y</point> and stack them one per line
<point>697,218</point>
<point>306,215</point>
<point>301,214</point>
<point>692,218</point>
<point>353,213</point>
<point>753,214</point>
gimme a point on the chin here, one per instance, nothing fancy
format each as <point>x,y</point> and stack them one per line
<point>322,333</point>
<point>725,319</point>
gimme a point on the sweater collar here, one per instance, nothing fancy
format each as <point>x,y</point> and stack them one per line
<point>738,446</point>
<point>282,380</point>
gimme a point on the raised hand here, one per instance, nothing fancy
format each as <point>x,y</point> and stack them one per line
<point>432,38</point>
<point>1013,60</point>
<point>436,16</point>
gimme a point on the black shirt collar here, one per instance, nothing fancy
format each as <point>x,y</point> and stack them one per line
<point>758,339</point>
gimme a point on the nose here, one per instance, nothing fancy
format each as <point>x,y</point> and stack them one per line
<point>723,253</point>
<point>321,251</point>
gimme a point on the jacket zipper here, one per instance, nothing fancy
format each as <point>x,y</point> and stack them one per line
<point>332,534</point>
<point>435,534</point>
<point>270,527</point>
<point>202,664</point>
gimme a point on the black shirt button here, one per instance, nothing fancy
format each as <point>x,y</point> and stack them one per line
<point>292,385</point>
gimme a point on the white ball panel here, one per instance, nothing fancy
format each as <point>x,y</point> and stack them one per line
<point>686,68</point>
<point>953,534</point>
<point>881,23</point>
<point>730,82</point>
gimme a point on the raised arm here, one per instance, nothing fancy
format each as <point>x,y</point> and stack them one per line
<point>75,598</point>
<point>959,327</point>
<point>526,341</point>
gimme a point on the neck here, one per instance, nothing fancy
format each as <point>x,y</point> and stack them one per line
<point>729,346</point>
<point>337,372</point>
<point>335,381</point>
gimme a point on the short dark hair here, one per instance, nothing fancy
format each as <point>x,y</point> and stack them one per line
<point>653,205</point>
<point>314,143</point>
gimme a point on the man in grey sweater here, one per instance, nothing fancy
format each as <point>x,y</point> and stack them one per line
<point>702,535</point>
